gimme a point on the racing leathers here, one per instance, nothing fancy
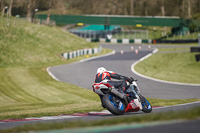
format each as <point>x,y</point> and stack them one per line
<point>121,84</point>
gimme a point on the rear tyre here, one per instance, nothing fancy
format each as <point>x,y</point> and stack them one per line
<point>146,106</point>
<point>113,104</point>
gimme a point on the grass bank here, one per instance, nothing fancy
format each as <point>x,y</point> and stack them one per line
<point>26,89</point>
<point>36,45</point>
<point>171,64</point>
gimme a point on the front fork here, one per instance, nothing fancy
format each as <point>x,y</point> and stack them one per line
<point>138,100</point>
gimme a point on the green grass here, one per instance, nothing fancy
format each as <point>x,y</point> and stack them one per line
<point>171,64</point>
<point>26,89</point>
<point>36,45</point>
<point>182,37</point>
<point>170,102</point>
<point>31,92</point>
<point>135,119</point>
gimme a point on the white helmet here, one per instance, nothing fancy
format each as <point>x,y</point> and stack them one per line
<point>101,70</point>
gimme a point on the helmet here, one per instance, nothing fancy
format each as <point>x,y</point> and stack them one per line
<point>101,70</point>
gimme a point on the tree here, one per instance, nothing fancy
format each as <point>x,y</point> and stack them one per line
<point>163,7</point>
<point>10,8</point>
<point>189,8</point>
<point>145,5</point>
<point>125,7</point>
<point>51,3</point>
<point>182,8</point>
<point>29,9</point>
<point>2,7</point>
<point>132,7</point>
<point>31,6</point>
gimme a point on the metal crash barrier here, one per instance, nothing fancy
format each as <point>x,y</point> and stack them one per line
<point>196,50</point>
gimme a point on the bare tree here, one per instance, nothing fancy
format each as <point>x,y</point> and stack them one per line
<point>189,8</point>
<point>34,9</point>
<point>125,3</point>
<point>163,7</point>
<point>2,7</point>
<point>31,5</point>
<point>10,8</point>
<point>199,6</point>
<point>145,5</point>
<point>132,7</point>
<point>183,7</point>
<point>29,9</point>
<point>51,3</point>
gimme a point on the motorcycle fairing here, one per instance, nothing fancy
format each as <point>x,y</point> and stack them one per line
<point>99,88</point>
<point>132,106</point>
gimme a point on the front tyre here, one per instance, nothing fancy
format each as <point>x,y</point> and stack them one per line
<point>146,106</point>
<point>113,104</point>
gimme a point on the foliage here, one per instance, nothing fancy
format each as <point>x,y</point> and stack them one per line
<point>182,8</point>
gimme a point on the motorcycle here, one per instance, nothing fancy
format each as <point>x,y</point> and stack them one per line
<point>112,100</point>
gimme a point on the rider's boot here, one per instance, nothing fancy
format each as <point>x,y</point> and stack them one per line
<point>125,97</point>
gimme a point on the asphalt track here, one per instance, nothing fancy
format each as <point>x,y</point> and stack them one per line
<point>82,74</point>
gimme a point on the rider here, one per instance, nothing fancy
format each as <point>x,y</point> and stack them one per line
<point>104,75</point>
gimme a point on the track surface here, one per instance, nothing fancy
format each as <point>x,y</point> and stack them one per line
<point>83,73</point>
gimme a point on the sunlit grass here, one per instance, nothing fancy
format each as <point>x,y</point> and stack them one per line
<point>134,119</point>
<point>178,65</point>
<point>26,89</point>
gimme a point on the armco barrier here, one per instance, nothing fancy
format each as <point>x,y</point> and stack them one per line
<point>177,41</point>
<point>123,41</point>
<point>197,57</point>
<point>196,50</point>
<point>77,53</point>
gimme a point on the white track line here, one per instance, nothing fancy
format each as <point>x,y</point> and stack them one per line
<point>49,72</point>
<point>154,79</point>
<point>54,77</point>
<point>52,117</point>
<point>177,105</point>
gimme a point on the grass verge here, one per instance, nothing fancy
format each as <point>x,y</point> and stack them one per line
<point>171,64</point>
<point>31,92</point>
<point>26,89</point>
<point>39,109</point>
<point>182,115</point>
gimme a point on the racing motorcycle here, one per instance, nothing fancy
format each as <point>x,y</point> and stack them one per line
<point>113,100</point>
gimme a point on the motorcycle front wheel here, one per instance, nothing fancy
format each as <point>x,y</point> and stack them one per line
<point>113,104</point>
<point>146,106</point>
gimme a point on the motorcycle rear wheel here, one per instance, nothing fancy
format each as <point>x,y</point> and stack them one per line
<point>114,104</point>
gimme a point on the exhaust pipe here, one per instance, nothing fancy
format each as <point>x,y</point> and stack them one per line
<point>117,93</point>
<point>120,95</point>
